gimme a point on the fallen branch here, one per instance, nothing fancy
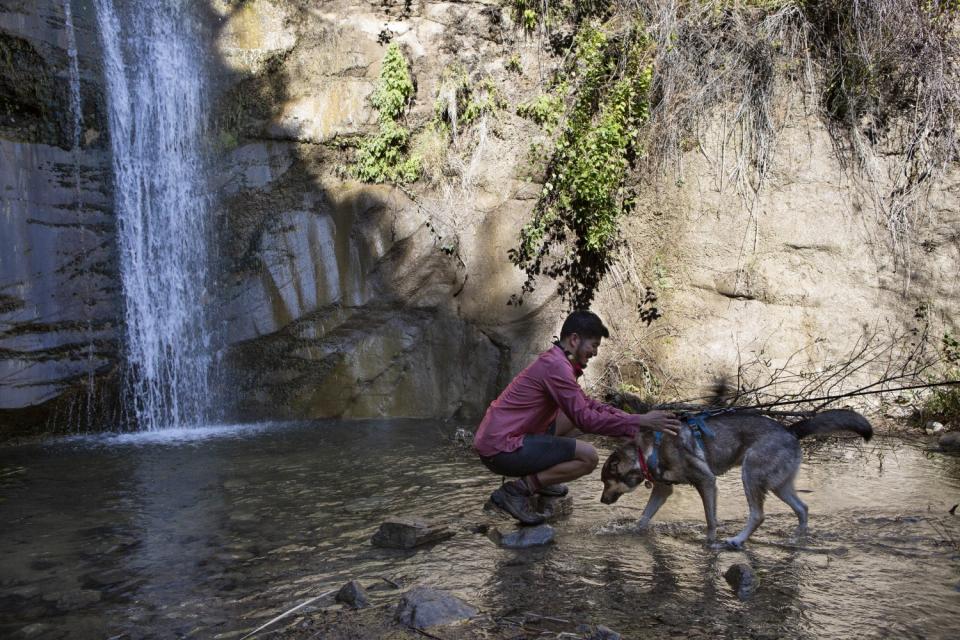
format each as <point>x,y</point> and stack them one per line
<point>287,613</point>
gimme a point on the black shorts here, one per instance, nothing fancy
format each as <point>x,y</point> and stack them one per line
<point>538,452</point>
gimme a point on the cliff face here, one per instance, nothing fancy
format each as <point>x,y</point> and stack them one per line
<point>58,281</point>
<point>337,298</point>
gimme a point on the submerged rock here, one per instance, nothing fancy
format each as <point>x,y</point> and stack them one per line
<point>407,533</point>
<point>353,595</point>
<point>524,537</point>
<point>741,577</point>
<point>950,441</point>
<point>424,607</point>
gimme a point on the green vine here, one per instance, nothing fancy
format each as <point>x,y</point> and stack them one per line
<point>575,225</point>
<point>383,157</point>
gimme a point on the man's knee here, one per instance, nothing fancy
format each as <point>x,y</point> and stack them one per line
<point>588,457</point>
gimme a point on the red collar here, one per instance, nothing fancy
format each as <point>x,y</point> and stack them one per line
<point>647,476</point>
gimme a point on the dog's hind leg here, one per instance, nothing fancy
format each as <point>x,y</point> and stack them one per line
<point>661,491</point>
<point>754,485</point>
<point>788,494</point>
<point>708,493</point>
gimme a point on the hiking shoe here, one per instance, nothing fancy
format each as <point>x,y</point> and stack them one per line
<point>509,499</point>
<point>553,491</point>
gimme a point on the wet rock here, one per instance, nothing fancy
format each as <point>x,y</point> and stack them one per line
<point>424,607</point>
<point>463,437</point>
<point>35,630</point>
<point>524,537</point>
<point>589,632</point>
<point>353,595</point>
<point>553,508</point>
<point>604,633</point>
<point>104,579</point>
<point>742,579</point>
<point>950,441</point>
<point>933,427</point>
<point>407,533</point>
<point>75,599</point>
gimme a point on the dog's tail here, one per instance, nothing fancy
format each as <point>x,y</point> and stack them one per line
<point>833,421</point>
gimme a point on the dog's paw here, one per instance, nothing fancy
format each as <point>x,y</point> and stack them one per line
<point>732,544</point>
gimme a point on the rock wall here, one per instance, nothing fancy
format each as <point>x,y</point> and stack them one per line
<point>58,281</point>
<point>336,298</point>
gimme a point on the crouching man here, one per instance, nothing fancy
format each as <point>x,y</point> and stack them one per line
<point>527,432</point>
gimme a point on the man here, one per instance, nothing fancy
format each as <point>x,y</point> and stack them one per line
<point>527,431</point>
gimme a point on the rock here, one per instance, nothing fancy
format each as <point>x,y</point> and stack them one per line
<point>407,533</point>
<point>34,630</point>
<point>934,427</point>
<point>604,633</point>
<point>74,599</point>
<point>353,594</point>
<point>424,607</point>
<point>553,508</point>
<point>741,577</point>
<point>524,537</point>
<point>950,441</point>
<point>898,412</point>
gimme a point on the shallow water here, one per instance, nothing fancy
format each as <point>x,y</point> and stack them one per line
<point>211,532</point>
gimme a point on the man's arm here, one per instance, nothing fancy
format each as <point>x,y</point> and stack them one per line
<point>596,417</point>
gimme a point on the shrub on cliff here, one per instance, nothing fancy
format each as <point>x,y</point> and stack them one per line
<point>384,156</point>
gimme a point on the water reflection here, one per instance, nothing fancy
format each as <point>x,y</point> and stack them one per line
<point>212,535</point>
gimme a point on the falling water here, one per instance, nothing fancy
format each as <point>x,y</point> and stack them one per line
<point>76,113</point>
<point>156,94</point>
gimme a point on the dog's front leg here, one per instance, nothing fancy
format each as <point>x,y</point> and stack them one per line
<point>707,488</point>
<point>661,491</point>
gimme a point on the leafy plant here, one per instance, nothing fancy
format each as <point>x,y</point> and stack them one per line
<point>575,226</point>
<point>383,157</point>
<point>545,109</point>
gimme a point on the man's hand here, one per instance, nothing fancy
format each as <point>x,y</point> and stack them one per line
<point>664,421</point>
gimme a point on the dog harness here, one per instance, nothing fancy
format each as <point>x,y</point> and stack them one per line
<point>698,425</point>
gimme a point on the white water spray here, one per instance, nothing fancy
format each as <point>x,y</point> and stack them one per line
<point>157,109</point>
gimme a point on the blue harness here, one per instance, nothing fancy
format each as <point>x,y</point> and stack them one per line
<point>698,425</point>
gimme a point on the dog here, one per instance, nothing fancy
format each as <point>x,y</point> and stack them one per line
<point>767,452</point>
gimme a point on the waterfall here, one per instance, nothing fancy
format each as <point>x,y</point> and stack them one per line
<point>76,116</point>
<point>156,93</point>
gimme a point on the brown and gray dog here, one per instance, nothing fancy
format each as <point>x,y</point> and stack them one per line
<point>767,452</point>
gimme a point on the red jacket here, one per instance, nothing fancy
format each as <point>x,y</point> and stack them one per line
<point>531,401</point>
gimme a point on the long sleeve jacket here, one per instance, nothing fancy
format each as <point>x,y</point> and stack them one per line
<point>530,403</point>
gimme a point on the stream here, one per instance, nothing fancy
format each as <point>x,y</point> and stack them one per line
<point>210,532</point>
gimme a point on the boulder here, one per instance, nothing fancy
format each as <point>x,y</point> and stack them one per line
<point>742,579</point>
<point>424,607</point>
<point>407,533</point>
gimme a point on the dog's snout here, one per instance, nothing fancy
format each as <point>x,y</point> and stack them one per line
<point>609,498</point>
